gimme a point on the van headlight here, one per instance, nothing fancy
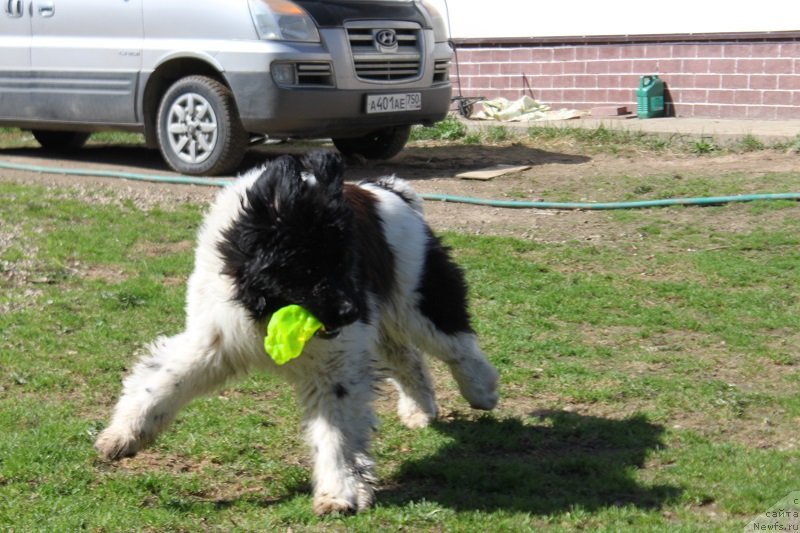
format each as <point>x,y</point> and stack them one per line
<point>282,20</point>
<point>438,21</point>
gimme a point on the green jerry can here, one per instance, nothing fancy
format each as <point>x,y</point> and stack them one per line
<point>650,97</point>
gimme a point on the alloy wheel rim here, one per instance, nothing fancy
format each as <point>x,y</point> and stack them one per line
<point>192,128</point>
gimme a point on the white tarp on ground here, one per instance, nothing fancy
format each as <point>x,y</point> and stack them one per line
<point>523,109</point>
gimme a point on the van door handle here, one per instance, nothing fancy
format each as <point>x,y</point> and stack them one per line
<point>14,8</point>
<point>47,9</point>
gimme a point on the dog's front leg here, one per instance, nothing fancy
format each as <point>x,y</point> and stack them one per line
<point>176,370</point>
<point>338,422</point>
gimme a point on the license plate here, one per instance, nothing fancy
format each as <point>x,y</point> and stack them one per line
<point>392,103</point>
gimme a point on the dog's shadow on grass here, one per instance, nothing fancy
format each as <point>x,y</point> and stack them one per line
<point>557,462</point>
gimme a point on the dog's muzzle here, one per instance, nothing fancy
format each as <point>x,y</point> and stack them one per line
<point>328,334</point>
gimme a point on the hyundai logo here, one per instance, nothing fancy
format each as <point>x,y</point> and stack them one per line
<point>386,38</point>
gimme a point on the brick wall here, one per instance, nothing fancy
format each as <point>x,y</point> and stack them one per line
<point>721,77</point>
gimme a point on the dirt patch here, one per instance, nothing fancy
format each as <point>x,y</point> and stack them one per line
<point>155,249</point>
<point>559,173</point>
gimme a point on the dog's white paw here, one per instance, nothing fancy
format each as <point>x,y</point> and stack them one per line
<point>416,420</point>
<point>327,504</point>
<point>477,383</point>
<point>112,444</point>
<point>413,416</point>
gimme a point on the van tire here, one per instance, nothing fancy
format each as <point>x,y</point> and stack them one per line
<point>380,144</point>
<point>198,128</point>
<point>61,141</point>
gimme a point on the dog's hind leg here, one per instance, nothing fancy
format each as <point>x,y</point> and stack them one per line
<point>176,370</point>
<point>439,323</point>
<point>475,375</point>
<point>416,405</point>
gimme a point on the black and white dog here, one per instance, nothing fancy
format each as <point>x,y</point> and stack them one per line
<point>363,261</point>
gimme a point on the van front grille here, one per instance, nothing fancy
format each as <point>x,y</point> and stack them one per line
<point>398,61</point>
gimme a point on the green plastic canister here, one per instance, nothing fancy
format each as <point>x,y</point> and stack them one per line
<point>650,97</point>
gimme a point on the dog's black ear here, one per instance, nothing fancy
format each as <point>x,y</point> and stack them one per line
<point>328,167</point>
<point>277,187</point>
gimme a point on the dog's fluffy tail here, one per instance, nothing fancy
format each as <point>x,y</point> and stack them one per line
<point>401,188</point>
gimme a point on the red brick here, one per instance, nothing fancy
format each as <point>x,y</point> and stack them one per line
<point>475,56</point>
<point>680,80</point>
<point>734,81</point>
<point>628,81</point>
<point>763,82</point>
<point>778,66</point>
<point>692,96</point>
<point>790,50</point>
<point>550,95</point>
<point>500,82</point>
<point>541,54</point>
<point>597,96</point>
<point>574,95</point>
<point>721,96</point>
<point>760,112</point>
<point>645,66</point>
<point>695,66</point>
<point>669,65</point>
<point>787,113</point>
<point>510,69</point>
<point>750,66</point>
<point>589,53</point>
<point>608,80</point>
<point>789,83</point>
<point>778,98</point>
<point>501,56</point>
<point>622,96</point>
<point>684,50</point>
<point>609,52</point>
<point>765,50</point>
<point>597,67</point>
<point>585,81</point>
<point>707,81</point>
<point>624,66</point>
<point>469,69</point>
<point>738,51</point>
<point>553,69</point>
<point>523,55</point>
<point>733,111</point>
<point>574,67</point>
<point>710,50</point>
<point>745,97</point>
<point>541,81</point>
<point>564,53</point>
<point>489,69</point>
<point>682,110</point>
<point>633,51</point>
<point>722,66</point>
<point>657,51</point>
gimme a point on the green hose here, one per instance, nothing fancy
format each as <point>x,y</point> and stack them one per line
<point>708,200</point>
<point>186,180</point>
<point>182,180</point>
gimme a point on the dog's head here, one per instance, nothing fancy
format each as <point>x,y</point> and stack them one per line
<point>292,242</point>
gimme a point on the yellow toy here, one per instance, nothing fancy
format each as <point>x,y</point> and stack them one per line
<point>287,332</point>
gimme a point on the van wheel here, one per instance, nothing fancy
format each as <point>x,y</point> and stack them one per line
<point>60,141</point>
<point>199,131</point>
<point>381,144</point>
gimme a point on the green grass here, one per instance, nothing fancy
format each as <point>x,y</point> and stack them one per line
<point>652,388</point>
<point>591,140</point>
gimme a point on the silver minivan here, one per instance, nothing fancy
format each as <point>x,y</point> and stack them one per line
<point>201,79</point>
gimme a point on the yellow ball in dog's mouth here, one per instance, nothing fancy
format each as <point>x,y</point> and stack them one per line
<point>287,332</point>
